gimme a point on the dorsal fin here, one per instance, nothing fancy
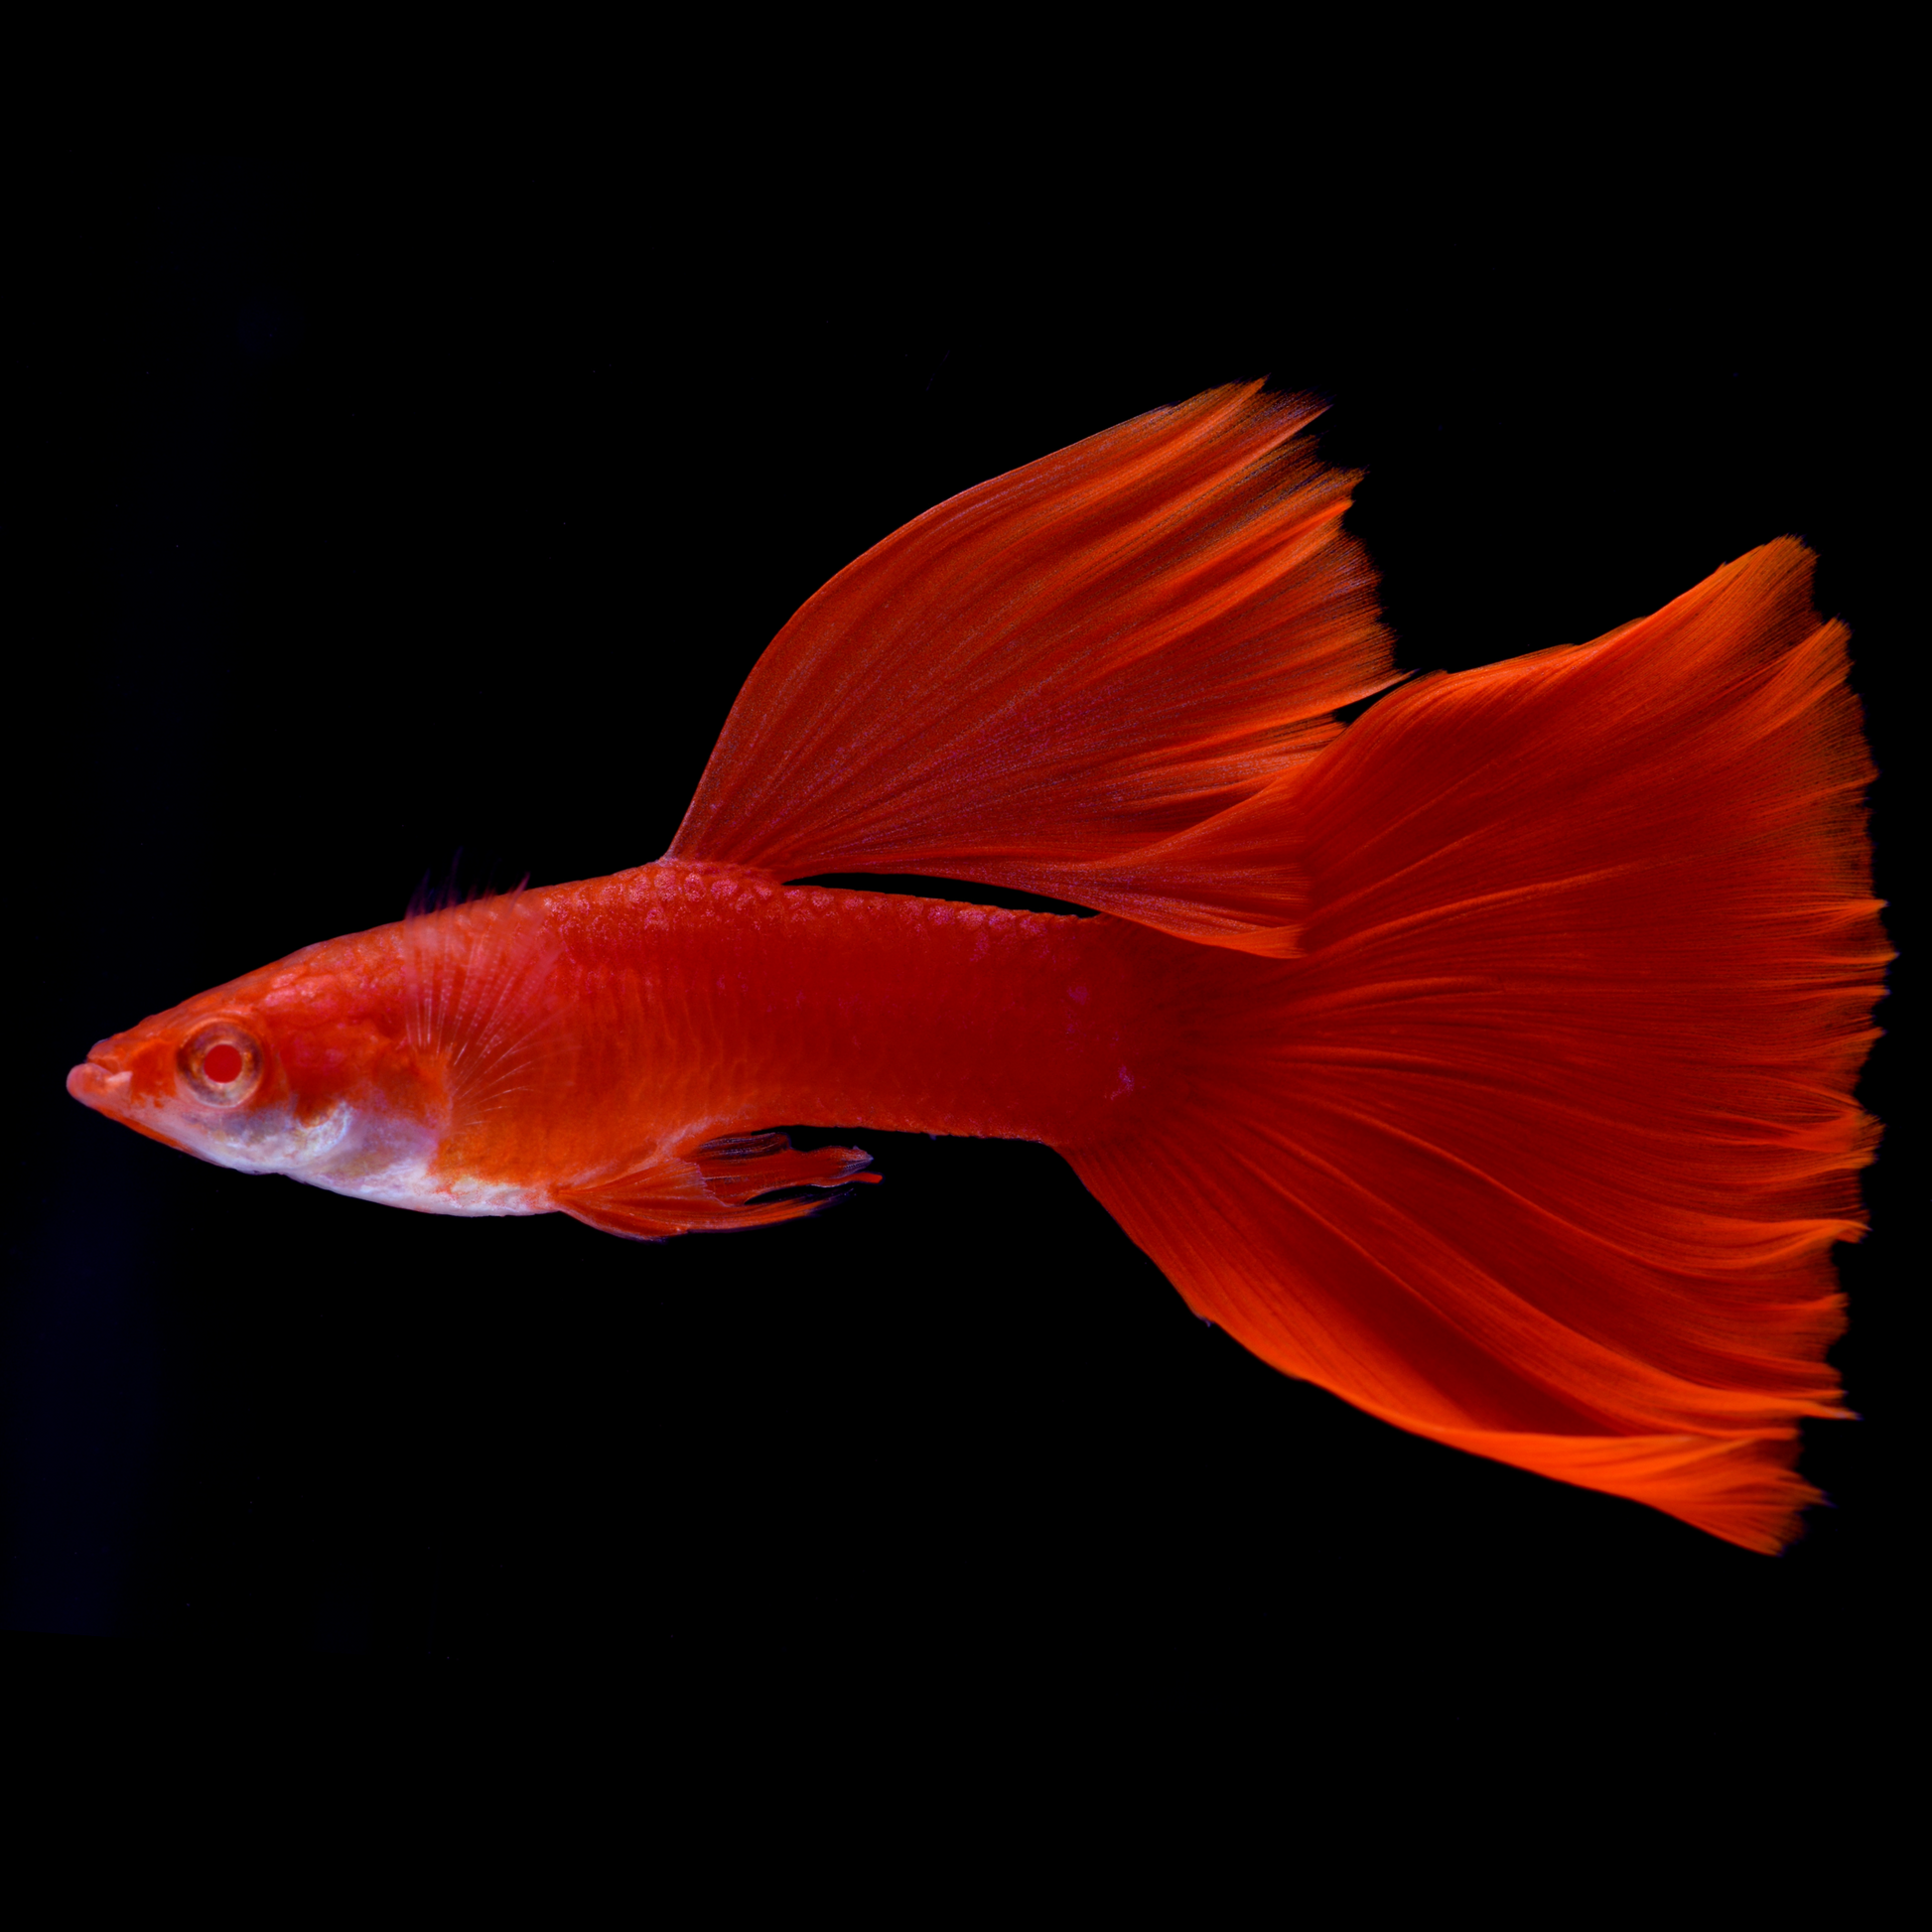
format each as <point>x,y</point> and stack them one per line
<point>1056,680</point>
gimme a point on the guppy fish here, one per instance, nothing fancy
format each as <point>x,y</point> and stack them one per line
<point>1487,1061</point>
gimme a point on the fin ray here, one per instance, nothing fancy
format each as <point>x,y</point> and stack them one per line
<point>1077,680</point>
<point>1540,1143</point>
<point>720,1185</point>
<point>473,977</point>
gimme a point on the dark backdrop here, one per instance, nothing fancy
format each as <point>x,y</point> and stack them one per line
<point>373,518</point>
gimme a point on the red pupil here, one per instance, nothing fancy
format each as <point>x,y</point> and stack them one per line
<point>221,1063</point>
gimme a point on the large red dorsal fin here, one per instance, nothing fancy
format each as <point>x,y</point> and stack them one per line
<point>1062,679</point>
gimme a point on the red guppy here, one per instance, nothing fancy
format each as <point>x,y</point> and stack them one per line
<point>1488,1060</point>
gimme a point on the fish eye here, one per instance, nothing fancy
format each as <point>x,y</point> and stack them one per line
<point>221,1063</point>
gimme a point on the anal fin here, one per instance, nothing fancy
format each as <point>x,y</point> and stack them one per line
<point>716,1186</point>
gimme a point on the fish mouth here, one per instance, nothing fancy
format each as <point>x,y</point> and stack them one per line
<point>109,1090</point>
<point>101,1087</point>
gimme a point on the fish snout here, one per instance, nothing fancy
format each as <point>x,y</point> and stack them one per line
<point>105,1082</point>
<point>103,1079</point>
<point>97,1085</point>
<point>106,1078</point>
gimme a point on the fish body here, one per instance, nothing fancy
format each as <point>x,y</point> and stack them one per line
<point>575,1047</point>
<point>1488,1060</point>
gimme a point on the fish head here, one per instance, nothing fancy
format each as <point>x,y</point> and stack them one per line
<point>306,1067</point>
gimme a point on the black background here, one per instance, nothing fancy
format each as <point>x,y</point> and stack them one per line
<point>373,518</point>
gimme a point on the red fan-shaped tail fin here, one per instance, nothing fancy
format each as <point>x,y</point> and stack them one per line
<point>1540,1144</point>
<point>1056,680</point>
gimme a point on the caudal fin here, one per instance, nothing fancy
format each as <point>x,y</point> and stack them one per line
<point>1540,1146</point>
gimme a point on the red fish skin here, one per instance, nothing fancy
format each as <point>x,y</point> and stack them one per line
<point>706,995</point>
<point>597,1029</point>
